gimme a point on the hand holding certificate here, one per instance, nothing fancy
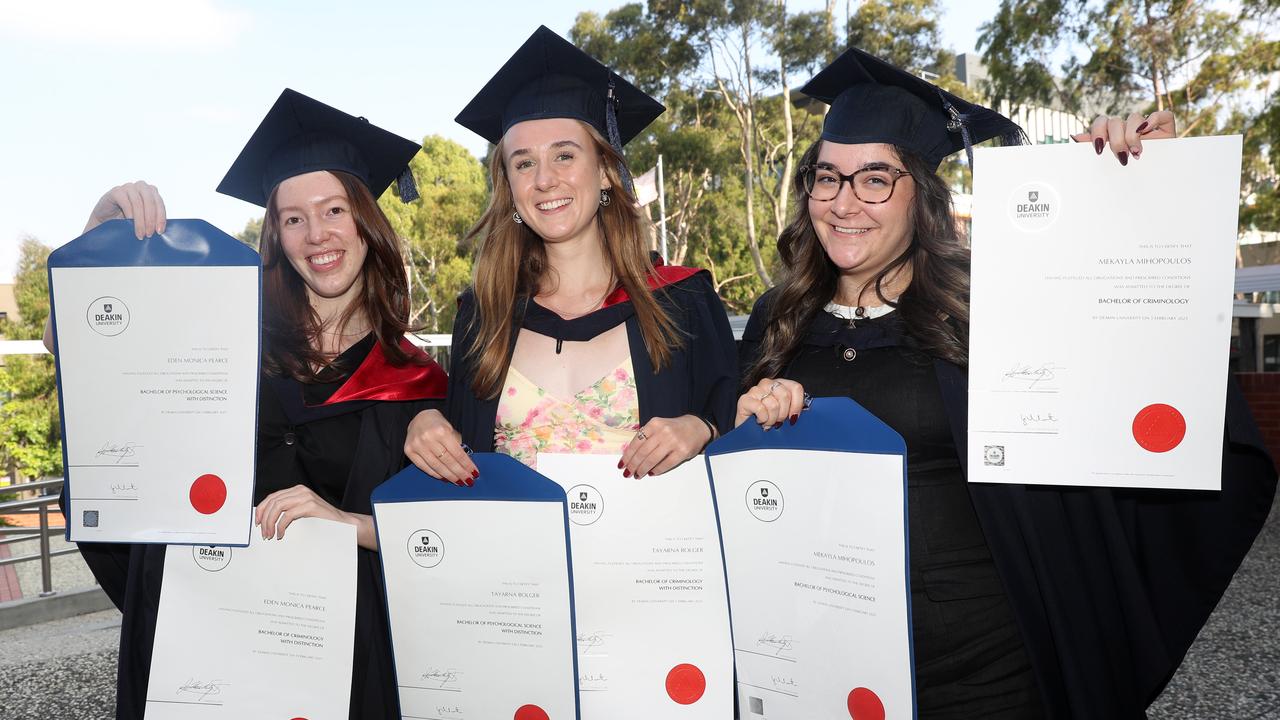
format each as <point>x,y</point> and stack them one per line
<point>157,350</point>
<point>1099,330</point>
<point>257,632</point>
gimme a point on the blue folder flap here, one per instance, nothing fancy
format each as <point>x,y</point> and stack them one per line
<point>502,477</point>
<point>183,243</point>
<point>837,424</point>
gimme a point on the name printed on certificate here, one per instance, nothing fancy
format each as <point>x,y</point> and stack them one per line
<point>479,600</point>
<point>265,631</point>
<point>158,377</point>
<point>649,591</point>
<point>1099,333</point>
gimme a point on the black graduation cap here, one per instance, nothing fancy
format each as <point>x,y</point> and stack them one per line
<point>301,135</point>
<point>875,102</point>
<point>548,77</point>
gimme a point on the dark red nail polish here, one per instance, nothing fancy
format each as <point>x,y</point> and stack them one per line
<point>1124,157</point>
<point>776,426</point>
<point>475,474</point>
<point>1142,127</point>
<point>794,418</point>
<point>470,483</point>
<point>619,464</point>
<point>626,473</point>
<point>1098,145</point>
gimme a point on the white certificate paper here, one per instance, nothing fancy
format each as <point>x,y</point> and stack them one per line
<point>158,375</point>
<point>265,631</point>
<point>478,595</point>
<point>815,544</point>
<point>1101,314</point>
<point>649,591</point>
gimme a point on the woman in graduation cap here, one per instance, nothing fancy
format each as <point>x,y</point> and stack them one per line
<point>1026,602</point>
<point>340,383</point>
<point>570,340</point>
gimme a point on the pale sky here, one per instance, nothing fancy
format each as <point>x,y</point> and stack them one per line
<point>100,93</point>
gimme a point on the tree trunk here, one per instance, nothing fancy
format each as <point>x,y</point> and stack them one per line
<point>749,154</point>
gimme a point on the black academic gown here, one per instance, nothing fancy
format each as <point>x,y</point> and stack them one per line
<point>701,379</point>
<point>378,400</point>
<point>1109,587</point>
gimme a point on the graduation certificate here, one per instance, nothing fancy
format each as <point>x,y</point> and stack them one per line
<point>265,631</point>
<point>649,592</point>
<point>478,592</point>
<point>813,520</point>
<point>157,352</point>
<point>1101,314</point>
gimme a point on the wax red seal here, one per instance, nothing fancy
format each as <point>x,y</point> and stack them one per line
<point>208,493</point>
<point>686,684</point>
<point>531,712</point>
<point>865,705</point>
<point>1159,428</point>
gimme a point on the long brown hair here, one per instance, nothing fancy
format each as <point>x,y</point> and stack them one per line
<point>935,306</point>
<point>291,328</point>
<point>511,260</point>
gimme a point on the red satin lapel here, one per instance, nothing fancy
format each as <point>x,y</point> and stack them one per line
<point>662,276</point>
<point>378,379</point>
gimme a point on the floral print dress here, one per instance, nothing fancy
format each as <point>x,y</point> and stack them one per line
<point>601,419</point>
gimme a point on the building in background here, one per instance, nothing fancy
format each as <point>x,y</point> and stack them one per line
<point>8,305</point>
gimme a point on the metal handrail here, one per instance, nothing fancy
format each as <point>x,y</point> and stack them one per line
<point>41,504</point>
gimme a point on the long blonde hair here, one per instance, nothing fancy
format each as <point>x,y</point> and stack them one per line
<point>511,259</point>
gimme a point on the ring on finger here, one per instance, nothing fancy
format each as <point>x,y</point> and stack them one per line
<point>774,386</point>
<point>440,454</point>
<point>641,436</point>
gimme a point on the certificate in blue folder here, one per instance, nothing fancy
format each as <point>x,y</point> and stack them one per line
<point>157,353</point>
<point>813,524</point>
<point>479,593</point>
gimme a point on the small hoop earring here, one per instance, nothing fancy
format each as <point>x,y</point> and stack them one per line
<point>604,198</point>
<point>516,216</point>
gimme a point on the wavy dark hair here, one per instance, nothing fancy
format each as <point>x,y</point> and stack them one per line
<point>291,328</point>
<point>934,307</point>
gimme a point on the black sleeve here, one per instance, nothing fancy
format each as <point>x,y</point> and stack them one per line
<point>714,389</point>
<point>109,562</point>
<point>749,348</point>
<point>1190,543</point>
<point>463,409</point>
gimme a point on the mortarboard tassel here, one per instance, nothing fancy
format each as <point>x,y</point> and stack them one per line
<point>406,186</point>
<point>959,121</point>
<point>615,138</point>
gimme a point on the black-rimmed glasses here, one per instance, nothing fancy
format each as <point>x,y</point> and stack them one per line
<point>873,185</point>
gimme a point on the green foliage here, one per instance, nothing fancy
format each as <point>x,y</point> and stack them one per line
<point>903,32</point>
<point>30,432</point>
<point>452,185</point>
<point>252,233</point>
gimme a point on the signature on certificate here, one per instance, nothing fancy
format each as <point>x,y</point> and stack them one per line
<point>1031,376</point>
<point>125,489</point>
<point>778,643</point>
<point>1038,419</point>
<point>784,681</point>
<point>591,641</point>
<point>443,678</point>
<point>202,689</point>
<point>119,451</point>
<point>448,710</point>
<point>593,681</point>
